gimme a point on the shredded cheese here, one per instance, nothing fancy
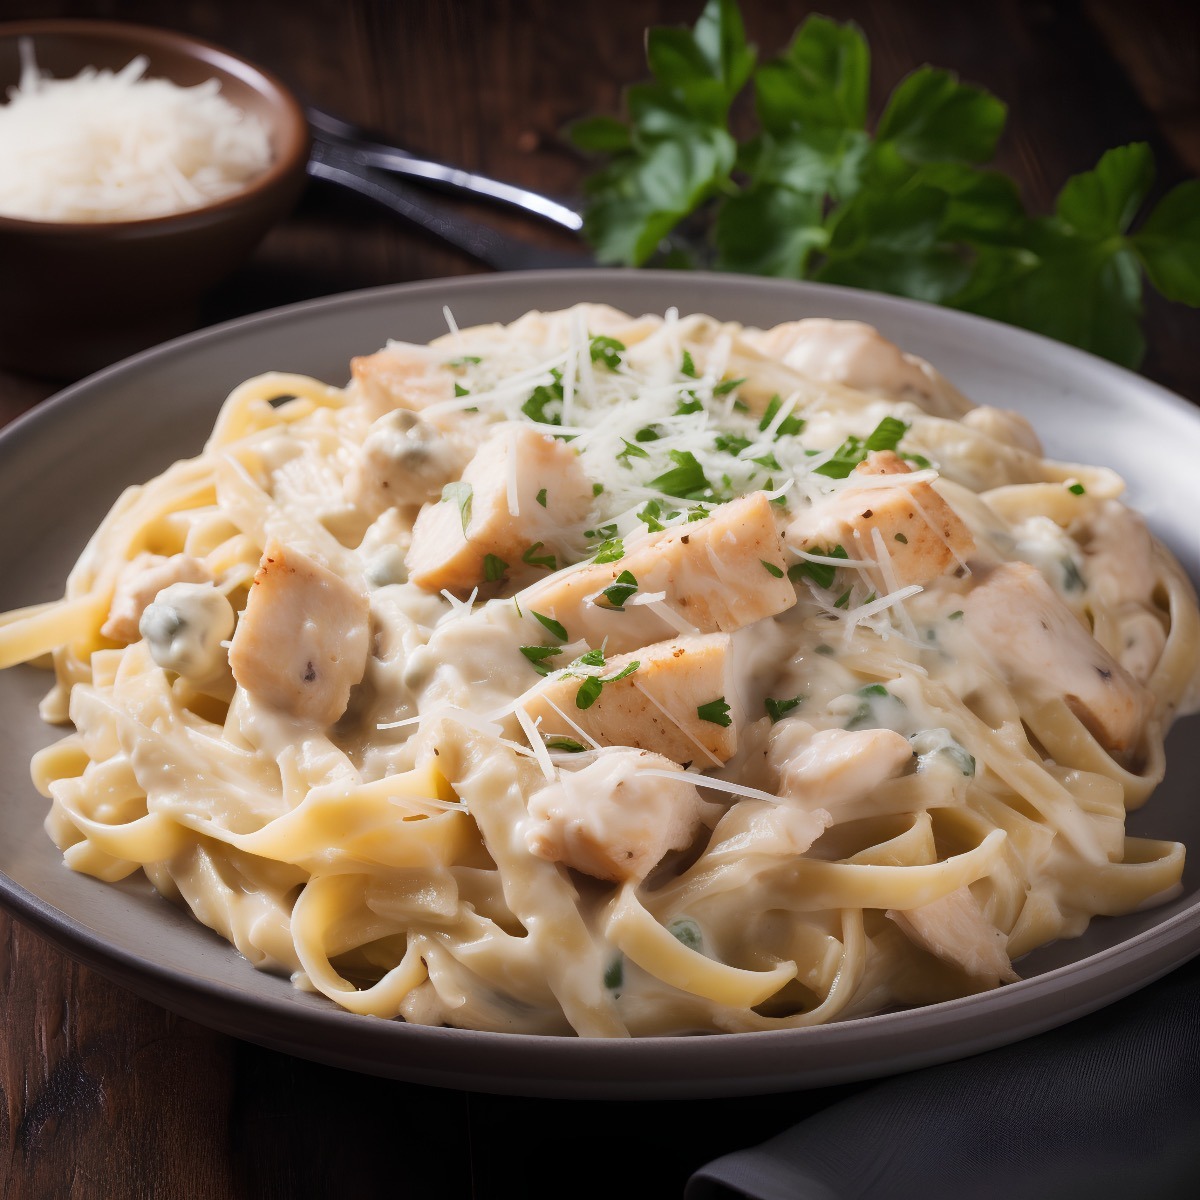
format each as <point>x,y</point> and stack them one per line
<point>118,146</point>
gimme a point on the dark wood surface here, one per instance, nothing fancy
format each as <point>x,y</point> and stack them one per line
<point>105,1095</point>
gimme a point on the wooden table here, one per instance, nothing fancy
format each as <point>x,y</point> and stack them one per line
<point>104,1095</point>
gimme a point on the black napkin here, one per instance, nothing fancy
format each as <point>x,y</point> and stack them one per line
<point>1105,1108</point>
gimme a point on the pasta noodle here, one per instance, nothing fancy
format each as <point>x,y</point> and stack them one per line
<point>621,676</point>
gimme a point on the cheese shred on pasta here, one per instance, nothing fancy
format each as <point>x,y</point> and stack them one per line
<point>621,676</point>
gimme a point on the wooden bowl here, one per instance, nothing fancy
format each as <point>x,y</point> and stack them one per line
<point>78,296</point>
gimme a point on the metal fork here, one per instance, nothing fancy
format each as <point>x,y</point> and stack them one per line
<point>364,147</point>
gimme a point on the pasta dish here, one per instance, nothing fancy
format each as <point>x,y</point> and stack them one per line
<point>613,675</point>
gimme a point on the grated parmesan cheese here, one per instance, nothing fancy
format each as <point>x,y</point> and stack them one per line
<point>116,146</point>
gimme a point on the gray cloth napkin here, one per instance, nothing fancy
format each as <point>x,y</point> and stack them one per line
<point>1105,1108</point>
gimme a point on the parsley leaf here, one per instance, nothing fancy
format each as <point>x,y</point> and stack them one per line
<point>820,573</point>
<point>545,401</point>
<point>541,497</point>
<point>778,709</point>
<point>771,568</point>
<point>537,655</point>
<point>552,625</point>
<point>716,712</point>
<point>687,367</point>
<point>460,493</point>
<point>606,350</point>
<point>589,692</point>
<point>685,479</point>
<point>610,551</point>
<point>493,567</point>
<point>570,745</point>
<point>788,427</point>
<point>532,557</point>
<point>632,450</point>
<point>911,208</point>
<point>620,589</point>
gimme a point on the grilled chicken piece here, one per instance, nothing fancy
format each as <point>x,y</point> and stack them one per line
<point>658,706</point>
<point>834,766</point>
<point>922,535</point>
<point>858,356</point>
<point>301,644</point>
<point>610,821</point>
<point>139,581</point>
<point>451,538</point>
<point>401,376</point>
<point>956,930</point>
<point>712,574</point>
<point>1037,643</point>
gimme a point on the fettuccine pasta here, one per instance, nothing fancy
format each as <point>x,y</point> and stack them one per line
<point>621,676</point>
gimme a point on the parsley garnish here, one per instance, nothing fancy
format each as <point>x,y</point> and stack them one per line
<point>464,360</point>
<point>610,551</point>
<point>716,712</point>
<point>731,443</point>
<point>460,493</point>
<point>687,367</point>
<point>691,405</point>
<point>956,615</point>
<point>820,573</point>
<point>778,709</point>
<point>620,590</point>
<point>607,350</point>
<point>597,489</point>
<point>551,624</point>
<point>590,658</point>
<point>459,390</point>
<point>631,451</point>
<point>651,433</point>
<point>772,569</point>
<point>843,600</point>
<point>614,975</point>
<point>541,497</point>
<point>788,427</point>
<point>649,516</point>
<point>589,692</point>
<point>543,398</point>
<point>532,557</point>
<point>570,745</point>
<point>493,567</point>
<point>901,539</point>
<point>1076,489</point>
<point>538,654</point>
<point>686,478</point>
<point>727,386</point>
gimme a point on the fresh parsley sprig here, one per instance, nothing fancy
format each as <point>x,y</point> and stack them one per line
<point>910,207</point>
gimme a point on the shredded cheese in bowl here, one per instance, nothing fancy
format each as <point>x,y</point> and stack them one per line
<point>118,146</point>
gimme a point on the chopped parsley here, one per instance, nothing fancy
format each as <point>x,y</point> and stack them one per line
<point>541,497</point>
<point>543,399</point>
<point>731,443</point>
<point>843,600</point>
<point>632,450</point>
<point>537,655</point>
<point>726,386</point>
<point>610,551</point>
<point>901,539</point>
<point>692,404</point>
<point>1076,489</point>
<point>615,975</point>
<point>716,712</point>
<point>464,360</point>
<point>570,745</point>
<point>459,390</point>
<point>597,489</point>
<point>589,692</point>
<point>649,516</point>
<point>820,573</point>
<point>688,367</point>
<point>778,709</point>
<point>956,615</point>
<point>606,350</point>
<point>591,658</point>
<point>621,589</point>
<point>686,478</point>
<point>788,427</point>
<point>551,624</point>
<point>651,433</point>
<point>493,567</point>
<point>772,569</point>
<point>532,557</point>
<point>460,493</point>
<point>885,436</point>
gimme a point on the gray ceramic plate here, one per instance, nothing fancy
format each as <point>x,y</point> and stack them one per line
<point>61,466</point>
